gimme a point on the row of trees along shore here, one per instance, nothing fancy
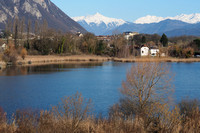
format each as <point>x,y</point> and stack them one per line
<point>146,106</point>
<point>35,38</point>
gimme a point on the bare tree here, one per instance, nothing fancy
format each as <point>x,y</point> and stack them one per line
<point>147,85</point>
<point>28,34</point>
<point>36,27</point>
<point>44,29</point>
<point>146,96</point>
<point>22,28</point>
<point>120,45</point>
<point>8,29</point>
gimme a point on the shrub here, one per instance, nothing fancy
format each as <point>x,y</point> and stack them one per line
<point>188,52</point>
<point>10,54</point>
<point>26,120</point>
<point>1,57</point>
<point>73,111</point>
<point>23,53</point>
<point>187,106</point>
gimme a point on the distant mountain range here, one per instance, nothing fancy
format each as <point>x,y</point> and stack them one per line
<point>38,10</point>
<point>172,26</point>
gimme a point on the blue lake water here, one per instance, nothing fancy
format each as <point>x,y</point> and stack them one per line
<point>40,87</point>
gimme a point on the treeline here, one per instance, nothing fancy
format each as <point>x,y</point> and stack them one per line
<point>144,107</point>
<point>117,46</point>
<point>38,39</point>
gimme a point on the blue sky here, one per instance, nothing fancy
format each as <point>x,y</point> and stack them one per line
<point>128,10</point>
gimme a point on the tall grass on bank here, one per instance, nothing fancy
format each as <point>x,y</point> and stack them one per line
<point>74,115</point>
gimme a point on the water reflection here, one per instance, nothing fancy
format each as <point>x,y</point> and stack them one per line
<point>45,69</point>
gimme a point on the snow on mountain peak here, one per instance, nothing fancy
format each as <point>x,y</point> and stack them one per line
<point>98,19</point>
<point>191,18</point>
<point>149,19</point>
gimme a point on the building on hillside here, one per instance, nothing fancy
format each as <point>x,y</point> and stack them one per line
<point>154,51</point>
<point>3,47</point>
<point>2,35</point>
<point>128,35</point>
<point>79,34</point>
<point>104,38</point>
<point>144,51</point>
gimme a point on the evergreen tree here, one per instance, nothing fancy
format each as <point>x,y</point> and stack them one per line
<point>143,39</point>
<point>164,40</point>
<point>197,43</point>
<point>27,45</point>
<point>16,30</point>
<point>22,24</point>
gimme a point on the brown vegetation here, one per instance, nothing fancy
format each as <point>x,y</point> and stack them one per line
<point>147,85</point>
<point>10,54</point>
<point>23,53</point>
<point>74,115</point>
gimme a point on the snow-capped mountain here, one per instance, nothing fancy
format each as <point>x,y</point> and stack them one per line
<point>99,24</point>
<point>98,19</point>
<point>39,10</point>
<point>149,19</point>
<point>173,26</point>
<point>191,18</point>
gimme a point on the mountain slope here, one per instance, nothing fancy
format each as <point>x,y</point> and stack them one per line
<point>98,24</point>
<point>153,28</point>
<point>38,10</point>
<point>191,29</point>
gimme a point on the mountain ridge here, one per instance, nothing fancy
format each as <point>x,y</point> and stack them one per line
<point>39,10</point>
<point>188,18</point>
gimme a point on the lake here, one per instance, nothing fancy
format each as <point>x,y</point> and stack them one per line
<point>41,87</point>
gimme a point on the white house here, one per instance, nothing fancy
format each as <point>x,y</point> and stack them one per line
<point>154,52</point>
<point>144,51</point>
<point>79,34</point>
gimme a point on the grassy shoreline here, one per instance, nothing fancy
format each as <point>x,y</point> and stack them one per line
<point>52,59</point>
<point>156,59</point>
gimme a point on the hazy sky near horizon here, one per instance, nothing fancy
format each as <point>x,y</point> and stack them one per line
<point>129,10</point>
